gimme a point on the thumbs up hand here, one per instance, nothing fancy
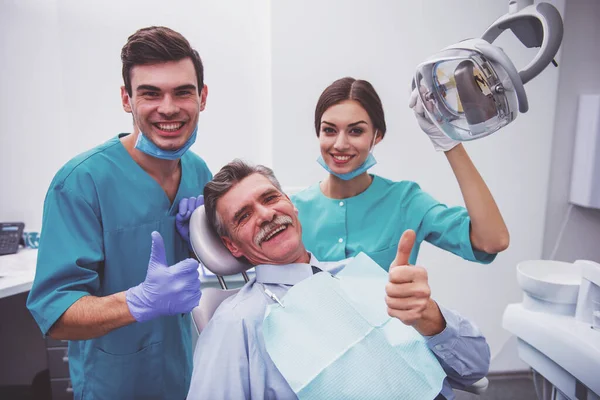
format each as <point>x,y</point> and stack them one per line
<point>167,290</point>
<point>408,295</point>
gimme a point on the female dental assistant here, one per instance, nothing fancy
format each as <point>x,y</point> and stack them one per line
<point>352,211</point>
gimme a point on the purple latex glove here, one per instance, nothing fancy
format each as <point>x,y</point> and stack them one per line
<point>182,220</point>
<point>166,290</point>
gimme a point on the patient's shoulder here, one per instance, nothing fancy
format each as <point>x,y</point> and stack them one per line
<point>247,305</point>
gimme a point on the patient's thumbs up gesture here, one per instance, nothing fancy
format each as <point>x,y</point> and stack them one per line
<point>408,295</point>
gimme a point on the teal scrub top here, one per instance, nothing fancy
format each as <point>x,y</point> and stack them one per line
<point>373,221</point>
<point>99,212</point>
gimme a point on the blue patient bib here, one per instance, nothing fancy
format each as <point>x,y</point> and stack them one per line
<point>333,339</point>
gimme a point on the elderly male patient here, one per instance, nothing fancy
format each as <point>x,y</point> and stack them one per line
<point>256,220</point>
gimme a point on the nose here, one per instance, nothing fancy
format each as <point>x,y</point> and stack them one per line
<point>168,106</point>
<point>341,142</point>
<point>264,215</point>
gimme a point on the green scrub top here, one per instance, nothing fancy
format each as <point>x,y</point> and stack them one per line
<point>99,212</point>
<point>373,221</point>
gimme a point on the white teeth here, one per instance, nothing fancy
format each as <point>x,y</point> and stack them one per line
<point>342,158</point>
<point>281,228</point>
<point>169,127</point>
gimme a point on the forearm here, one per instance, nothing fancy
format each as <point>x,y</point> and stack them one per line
<point>91,317</point>
<point>461,350</point>
<point>488,230</point>
<point>464,368</point>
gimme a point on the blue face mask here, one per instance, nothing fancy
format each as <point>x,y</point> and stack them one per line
<point>144,145</point>
<point>369,162</point>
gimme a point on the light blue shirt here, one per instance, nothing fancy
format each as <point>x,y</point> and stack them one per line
<point>231,361</point>
<point>373,221</point>
<point>99,213</point>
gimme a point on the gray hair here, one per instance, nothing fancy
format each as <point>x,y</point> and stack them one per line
<point>223,181</point>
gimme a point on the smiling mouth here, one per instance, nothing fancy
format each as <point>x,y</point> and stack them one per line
<point>273,233</point>
<point>341,159</point>
<point>169,127</point>
<point>278,225</point>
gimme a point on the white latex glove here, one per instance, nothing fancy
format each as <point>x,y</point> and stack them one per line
<point>440,141</point>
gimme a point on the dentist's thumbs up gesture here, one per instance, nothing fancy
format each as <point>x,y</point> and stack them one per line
<point>408,295</point>
<point>167,290</point>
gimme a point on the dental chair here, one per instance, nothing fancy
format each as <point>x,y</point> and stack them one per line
<point>213,254</point>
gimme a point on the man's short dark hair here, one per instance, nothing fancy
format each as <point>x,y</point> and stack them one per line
<point>158,44</point>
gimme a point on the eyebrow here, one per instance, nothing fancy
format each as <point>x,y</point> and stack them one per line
<point>189,86</point>
<point>246,207</point>
<point>147,87</point>
<point>157,89</point>
<point>352,124</point>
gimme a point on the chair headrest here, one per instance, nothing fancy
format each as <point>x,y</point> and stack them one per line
<point>209,248</point>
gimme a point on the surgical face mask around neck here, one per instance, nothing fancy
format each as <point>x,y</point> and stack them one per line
<point>369,162</point>
<point>145,145</point>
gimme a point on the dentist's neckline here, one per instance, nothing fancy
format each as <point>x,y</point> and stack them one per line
<point>354,192</point>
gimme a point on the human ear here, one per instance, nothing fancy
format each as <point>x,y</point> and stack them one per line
<point>125,100</point>
<point>233,249</point>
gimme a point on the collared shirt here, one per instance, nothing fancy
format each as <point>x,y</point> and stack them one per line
<point>373,221</point>
<point>231,361</point>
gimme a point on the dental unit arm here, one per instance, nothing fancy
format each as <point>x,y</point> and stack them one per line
<point>538,25</point>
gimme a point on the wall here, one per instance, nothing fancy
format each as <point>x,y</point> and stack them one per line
<point>578,75</point>
<point>61,78</point>
<point>316,42</point>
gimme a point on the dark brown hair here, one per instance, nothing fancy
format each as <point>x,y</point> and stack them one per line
<point>352,89</point>
<point>223,181</point>
<point>157,44</point>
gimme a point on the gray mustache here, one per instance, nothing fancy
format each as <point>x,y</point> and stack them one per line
<point>270,227</point>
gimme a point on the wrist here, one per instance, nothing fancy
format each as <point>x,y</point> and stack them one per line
<point>454,150</point>
<point>432,322</point>
<point>137,303</point>
<point>121,299</point>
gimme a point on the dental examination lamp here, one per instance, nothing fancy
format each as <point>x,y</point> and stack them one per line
<point>471,89</point>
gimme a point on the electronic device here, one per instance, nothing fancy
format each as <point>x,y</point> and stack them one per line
<point>10,236</point>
